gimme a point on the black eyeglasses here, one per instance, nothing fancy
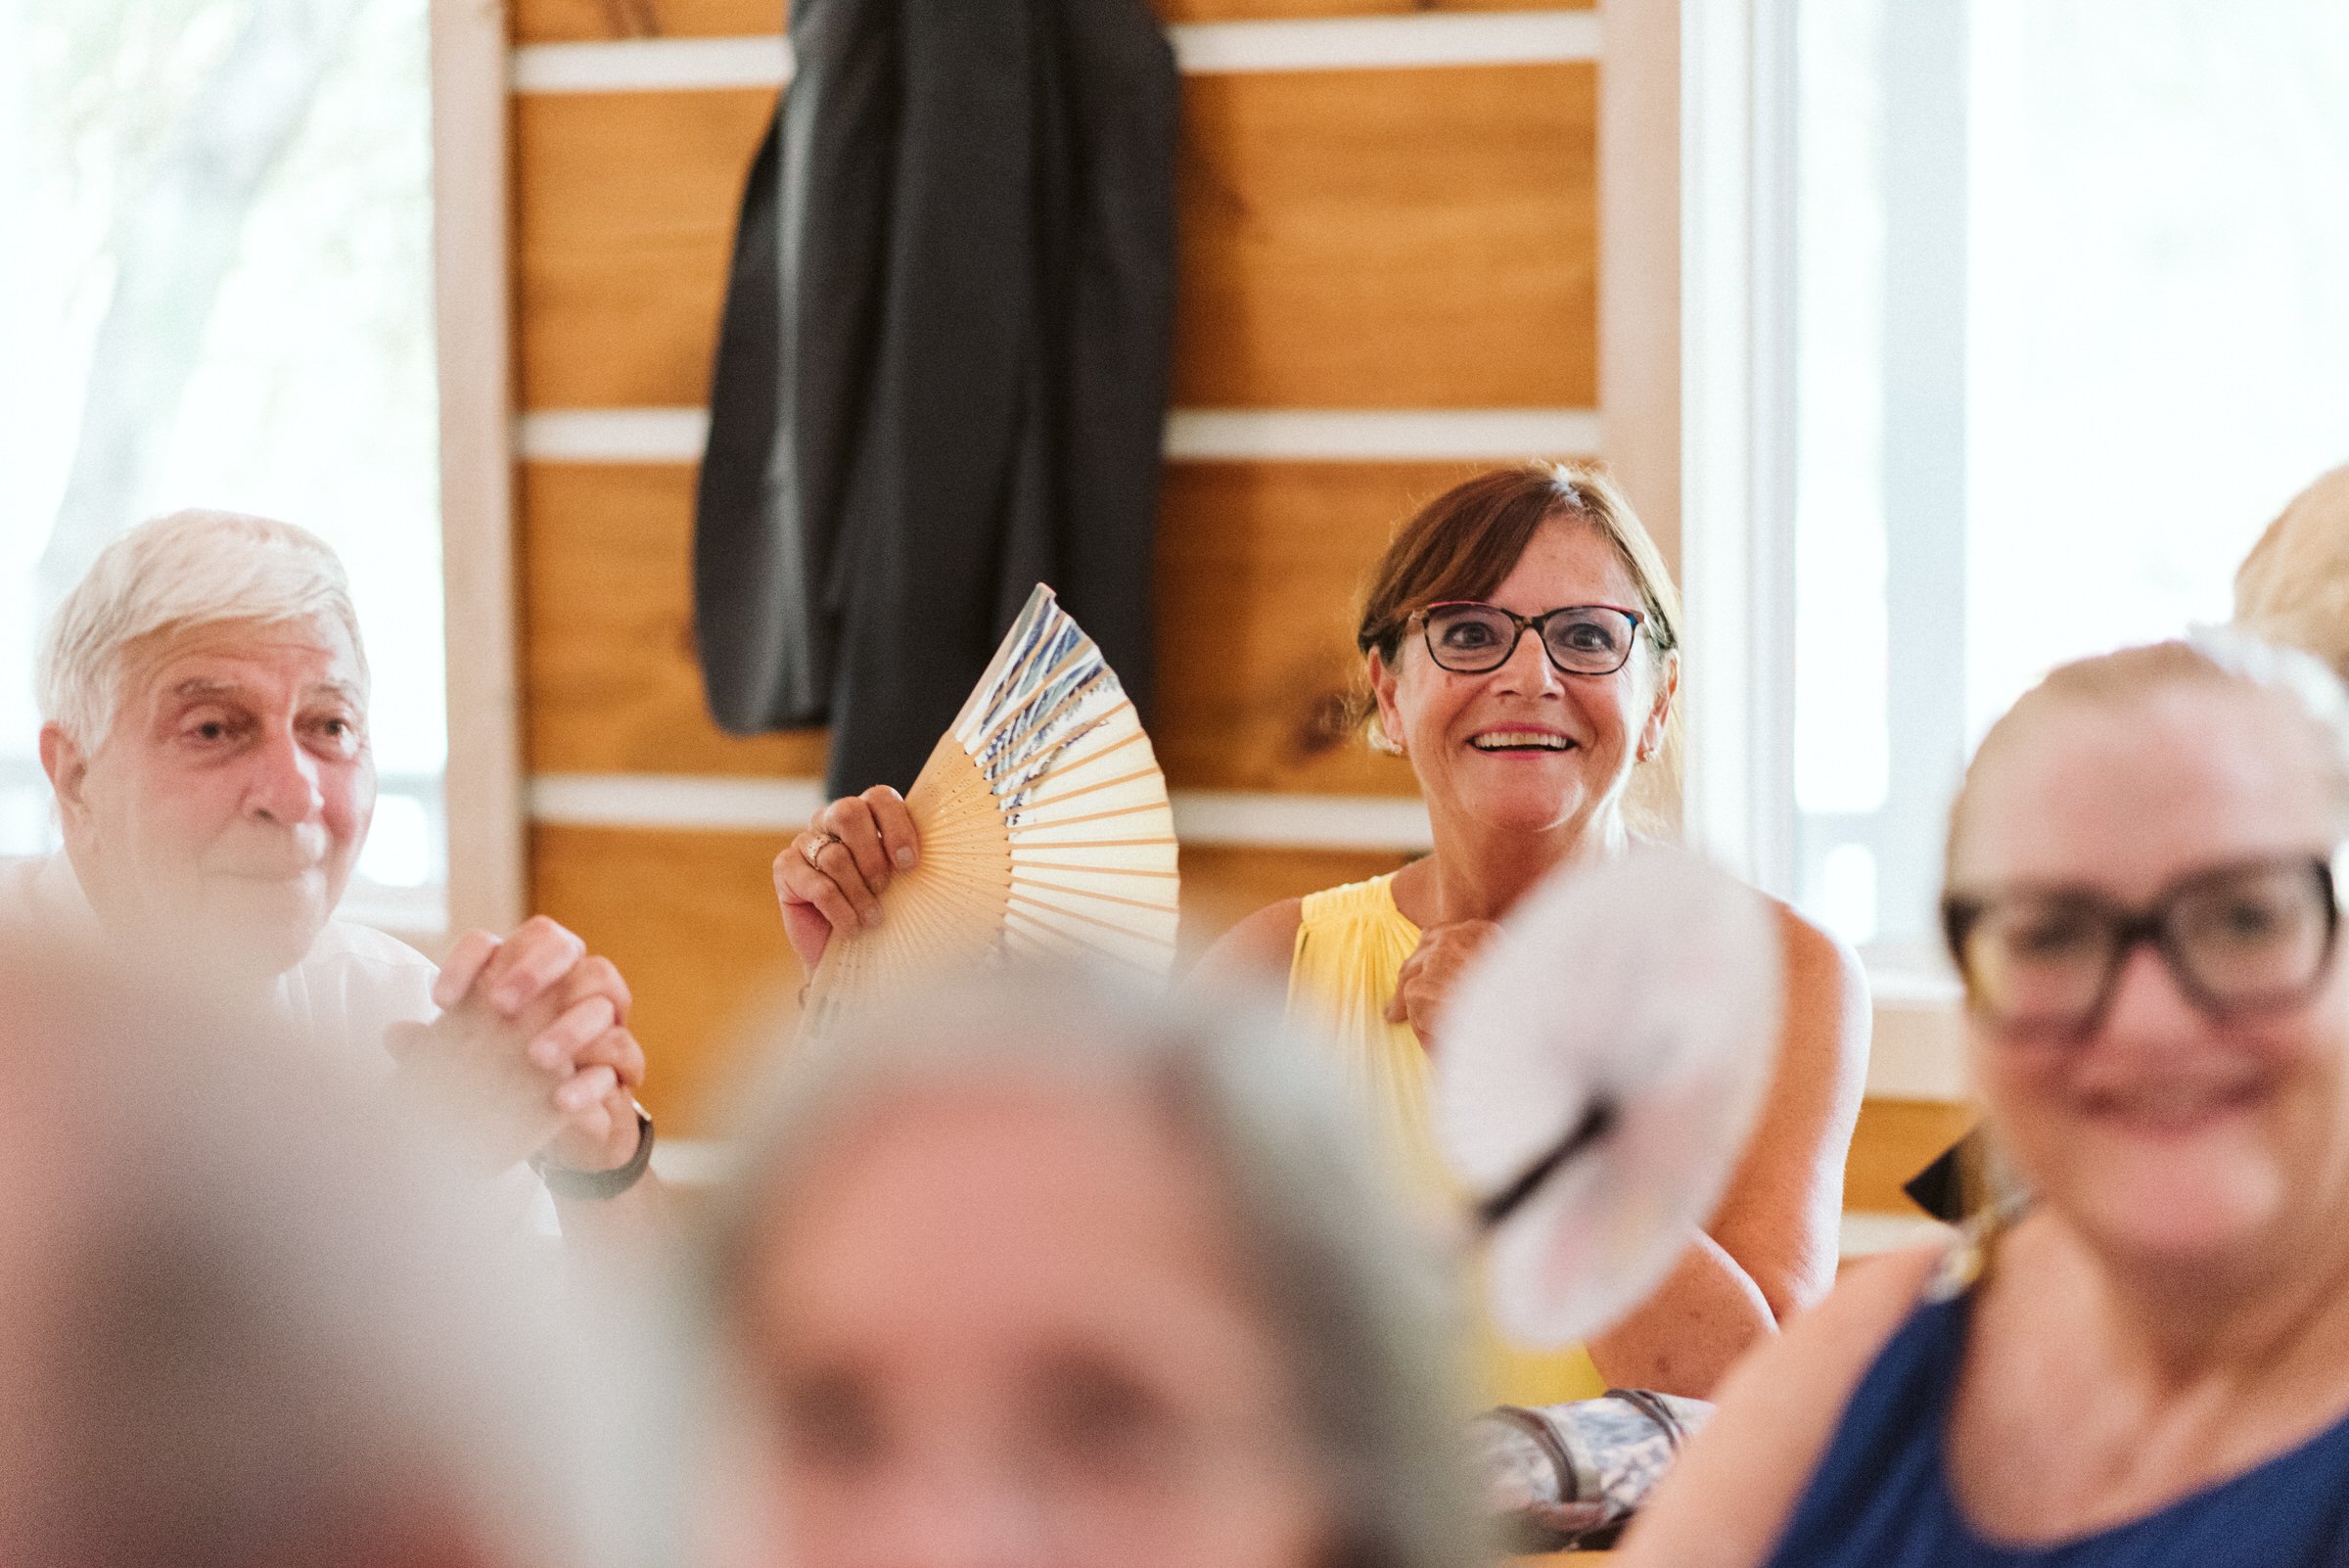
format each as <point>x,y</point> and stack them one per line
<point>1471,638</point>
<point>2249,937</point>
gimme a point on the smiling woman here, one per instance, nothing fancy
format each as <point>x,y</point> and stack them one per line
<point>1532,752</point>
<point>2157,1367</point>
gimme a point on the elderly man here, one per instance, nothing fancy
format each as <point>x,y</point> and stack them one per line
<point>203,695</point>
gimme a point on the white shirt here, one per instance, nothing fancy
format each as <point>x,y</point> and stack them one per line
<point>351,988</point>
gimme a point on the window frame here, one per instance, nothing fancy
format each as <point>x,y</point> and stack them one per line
<point>1722,106</point>
<point>484,785</point>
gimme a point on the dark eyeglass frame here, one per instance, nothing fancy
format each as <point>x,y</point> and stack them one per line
<point>1521,624</point>
<point>2149,923</point>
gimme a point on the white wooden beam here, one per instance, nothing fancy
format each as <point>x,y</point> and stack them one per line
<point>784,804</point>
<point>1193,435</point>
<point>1342,43</point>
<point>486,881</point>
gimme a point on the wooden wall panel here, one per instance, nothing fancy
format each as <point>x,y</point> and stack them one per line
<point>534,21</point>
<point>1224,884</point>
<point>581,20</point>
<point>1349,239</point>
<point>1357,239</point>
<point>690,919</point>
<point>1397,239</point>
<point>610,680</point>
<point>1269,10</point>
<point>1896,1140</point>
<point>1260,572</point>
<point>623,222</point>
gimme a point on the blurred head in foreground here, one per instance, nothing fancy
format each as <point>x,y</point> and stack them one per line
<point>2293,587</point>
<point>2142,899</point>
<point>204,705</point>
<point>243,1327</point>
<point>1036,1273</point>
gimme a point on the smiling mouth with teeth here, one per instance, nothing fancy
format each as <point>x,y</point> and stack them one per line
<point>1520,740</point>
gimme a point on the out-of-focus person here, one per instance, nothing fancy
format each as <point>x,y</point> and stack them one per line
<point>2150,1363</point>
<point>2293,587</point>
<point>249,1326</point>
<point>204,697</point>
<point>1521,640</point>
<point>1034,1274</point>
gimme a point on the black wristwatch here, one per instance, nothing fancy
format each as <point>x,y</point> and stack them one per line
<point>565,1182</point>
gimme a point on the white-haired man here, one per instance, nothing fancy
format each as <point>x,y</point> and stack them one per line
<point>203,695</point>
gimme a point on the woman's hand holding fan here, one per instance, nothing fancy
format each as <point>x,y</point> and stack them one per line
<point>1040,827</point>
<point>831,877</point>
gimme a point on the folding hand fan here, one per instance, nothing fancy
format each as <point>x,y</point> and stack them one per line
<point>1597,1071</point>
<point>1044,829</point>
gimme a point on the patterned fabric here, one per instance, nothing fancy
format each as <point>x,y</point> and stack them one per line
<point>1351,945</point>
<point>1572,1475</point>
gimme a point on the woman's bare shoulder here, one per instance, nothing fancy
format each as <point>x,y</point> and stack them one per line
<point>1257,948</point>
<point>1727,1499</point>
<point>1828,1015</point>
<point>1818,962</point>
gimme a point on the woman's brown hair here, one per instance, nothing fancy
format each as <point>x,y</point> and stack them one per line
<point>1464,543</point>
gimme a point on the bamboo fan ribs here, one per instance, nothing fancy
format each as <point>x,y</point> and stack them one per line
<point>1044,829</point>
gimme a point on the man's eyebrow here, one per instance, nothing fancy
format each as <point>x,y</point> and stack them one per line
<point>198,688</point>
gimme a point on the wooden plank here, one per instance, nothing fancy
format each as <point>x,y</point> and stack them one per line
<point>610,680</point>
<point>1300,10</point>
<point>1399,239</point>
<point>690,919</point>
<point>1389,239</point>
<point>583,20</point>
<point>1896,1140</point>
<point>1221,885</point>
<point>588,21</point>
<point>1261,569</point>
<point>1261,573</point>
<point>623,222</point>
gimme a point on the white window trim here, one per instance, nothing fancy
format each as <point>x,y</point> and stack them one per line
<point>1696,395</point>
<point>1708,89</point>
<point>487,882</point>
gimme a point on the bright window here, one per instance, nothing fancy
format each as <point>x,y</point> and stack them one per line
<point>216,291</point>
<point>2071,328</point>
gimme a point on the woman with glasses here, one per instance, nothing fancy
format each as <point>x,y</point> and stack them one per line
<point>1521,646</point>
<point>2146,1360</point>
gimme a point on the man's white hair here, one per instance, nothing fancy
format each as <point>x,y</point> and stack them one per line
<point>190,569</point>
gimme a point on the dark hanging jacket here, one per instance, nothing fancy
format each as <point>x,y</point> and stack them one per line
<point>942,377</point>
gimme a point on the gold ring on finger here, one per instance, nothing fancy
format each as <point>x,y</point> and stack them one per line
<point>817,845</point>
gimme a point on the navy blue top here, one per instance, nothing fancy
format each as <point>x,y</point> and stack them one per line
<point>1881,1496</point>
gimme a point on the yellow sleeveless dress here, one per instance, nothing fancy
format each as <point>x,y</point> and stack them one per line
<point>1351,945</point>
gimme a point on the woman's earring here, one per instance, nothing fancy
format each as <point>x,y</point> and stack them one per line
<point>1381,742</point>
